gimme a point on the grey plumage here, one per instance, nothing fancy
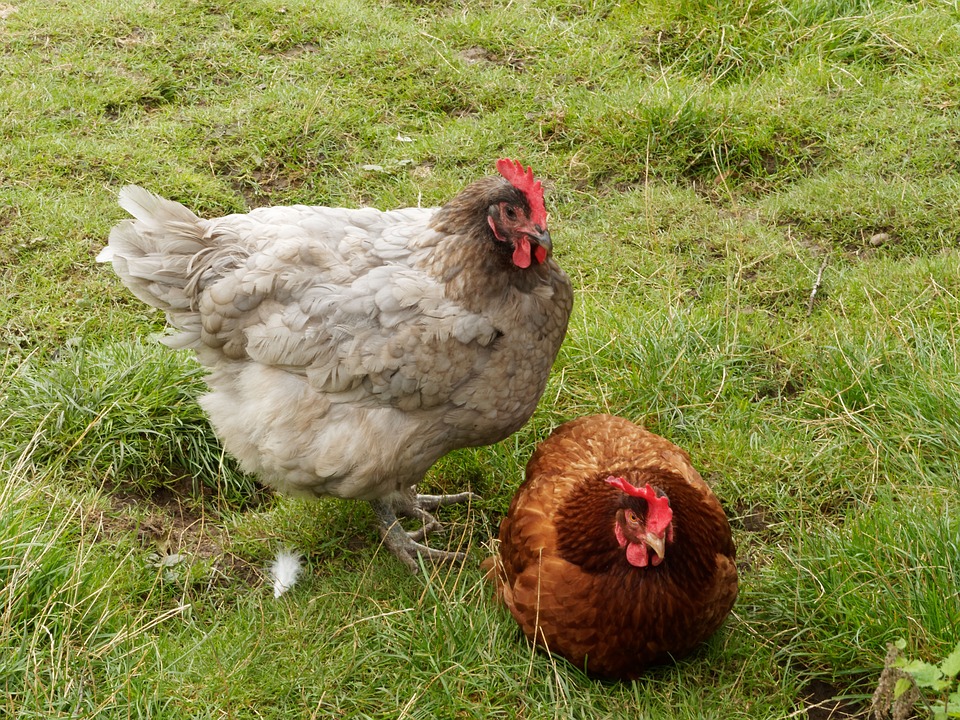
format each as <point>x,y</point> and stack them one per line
<point>348,349</point>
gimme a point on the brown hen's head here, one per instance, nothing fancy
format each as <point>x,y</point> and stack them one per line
<point>507,212</point>
<point>520,218</point>
<point>643,524</point>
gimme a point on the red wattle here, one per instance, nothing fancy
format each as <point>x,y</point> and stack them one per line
<point>637,555</point>
<point>541,253</point>
<point>521,253</point>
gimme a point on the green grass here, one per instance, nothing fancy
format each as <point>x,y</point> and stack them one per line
<point>118,413</point>
<point>704,162</point>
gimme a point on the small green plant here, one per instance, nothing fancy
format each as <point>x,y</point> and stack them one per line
<point>905,681</point>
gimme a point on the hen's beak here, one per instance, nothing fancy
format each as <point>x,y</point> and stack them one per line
<point>655,543</point>
<point>542,239</point>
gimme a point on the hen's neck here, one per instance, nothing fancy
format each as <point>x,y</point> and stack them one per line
<point>469,260</point>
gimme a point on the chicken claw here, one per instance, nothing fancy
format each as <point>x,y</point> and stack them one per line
<point>405,544</point>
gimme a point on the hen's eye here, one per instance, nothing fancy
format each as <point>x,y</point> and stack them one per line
<point>631,517</point>
<point>510,213</point>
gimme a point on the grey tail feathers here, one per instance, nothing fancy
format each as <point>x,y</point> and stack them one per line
<point>165,256</point>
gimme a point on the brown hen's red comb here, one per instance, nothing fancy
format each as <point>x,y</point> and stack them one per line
<point>532,189</point>
<point>659,513</point>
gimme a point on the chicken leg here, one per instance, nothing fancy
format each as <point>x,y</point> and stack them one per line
<point>406,545</point>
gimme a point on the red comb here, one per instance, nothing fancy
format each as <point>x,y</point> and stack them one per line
<point>659,513</point>
<point>523,181</point>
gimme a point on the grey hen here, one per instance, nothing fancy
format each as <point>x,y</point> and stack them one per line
<point>350,349</point>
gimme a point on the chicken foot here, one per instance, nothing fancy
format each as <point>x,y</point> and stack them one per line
<point>406,545</point>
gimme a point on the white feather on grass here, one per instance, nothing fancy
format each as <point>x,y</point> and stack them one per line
<point>285,571</point>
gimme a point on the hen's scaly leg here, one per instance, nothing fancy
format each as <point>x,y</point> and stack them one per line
<point>406,545</point>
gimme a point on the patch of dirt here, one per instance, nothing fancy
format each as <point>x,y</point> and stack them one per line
<point>264,182</point>
<point>754,518</point>
<point>755,527</point>
<point>836,506</point>
<point>821,703</point>
<point>787,388</point>
<point>136,36</point>
<point>149,99</point>
<point>172,521</point>
<point>8,213</point>
<point>474,55</point>
<point>295,51</point>
<point>258,185</point>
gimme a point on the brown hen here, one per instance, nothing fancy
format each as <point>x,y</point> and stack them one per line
<point>615,554</point>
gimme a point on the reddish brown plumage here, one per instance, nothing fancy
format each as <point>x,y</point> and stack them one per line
<point>565,577</point>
